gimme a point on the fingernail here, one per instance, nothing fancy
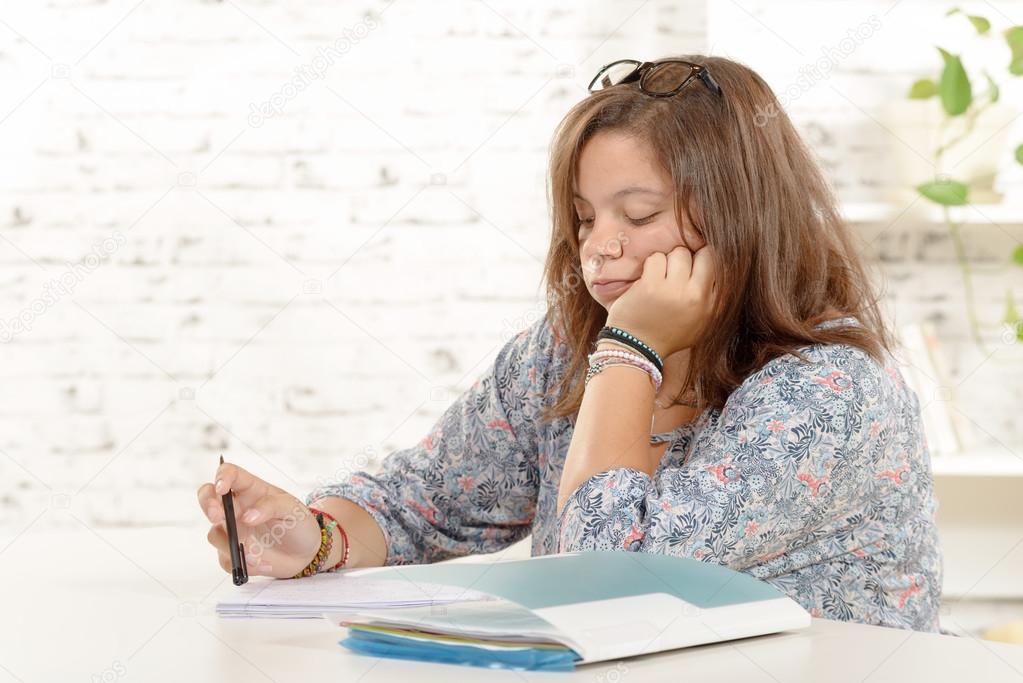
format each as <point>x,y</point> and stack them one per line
<point>251,516</point>
<point>219,486</point>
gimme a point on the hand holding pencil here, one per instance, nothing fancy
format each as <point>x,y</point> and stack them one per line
<point>278,532</point>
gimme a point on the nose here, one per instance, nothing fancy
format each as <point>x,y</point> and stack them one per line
<point>604,243</point>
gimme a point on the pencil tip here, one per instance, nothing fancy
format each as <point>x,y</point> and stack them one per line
<point>221,458</point>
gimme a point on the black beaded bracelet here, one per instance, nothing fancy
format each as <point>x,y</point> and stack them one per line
<point>618,334</point>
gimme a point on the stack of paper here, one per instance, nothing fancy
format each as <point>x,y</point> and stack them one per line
<point>491,633</point>
<point>547,613</point>
<point>557,611</point>
<point>311,596</point>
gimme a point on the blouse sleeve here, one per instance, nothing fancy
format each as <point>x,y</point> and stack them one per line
<point>781,463</point>
<point>470,484</point>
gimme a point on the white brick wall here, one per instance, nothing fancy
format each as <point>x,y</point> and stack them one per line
<point>307,290</point>
<point>304,290</point>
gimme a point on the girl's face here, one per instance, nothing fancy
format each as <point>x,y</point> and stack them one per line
<point>625,209</point>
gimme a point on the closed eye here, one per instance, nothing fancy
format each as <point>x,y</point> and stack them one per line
<point>634,221</point>
<point>644,221</point>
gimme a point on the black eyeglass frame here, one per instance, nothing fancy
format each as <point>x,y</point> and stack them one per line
<point>642,69</point>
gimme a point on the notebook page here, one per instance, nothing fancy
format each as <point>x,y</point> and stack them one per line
<point>338,590</point>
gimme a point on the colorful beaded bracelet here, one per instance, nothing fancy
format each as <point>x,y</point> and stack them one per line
<point>344,538</point>
<point>326,543</point>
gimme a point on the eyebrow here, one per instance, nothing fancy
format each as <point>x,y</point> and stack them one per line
<point>632,189</point>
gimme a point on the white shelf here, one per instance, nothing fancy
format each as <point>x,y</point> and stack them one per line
<point>884,213</point>
<point>977,465</point>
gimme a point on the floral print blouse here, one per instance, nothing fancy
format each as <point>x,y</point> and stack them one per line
<point>815,478</point>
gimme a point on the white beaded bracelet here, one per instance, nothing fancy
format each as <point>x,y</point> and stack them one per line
<point>601,359</point>
<point>642,361</point>
<point>600,365</point>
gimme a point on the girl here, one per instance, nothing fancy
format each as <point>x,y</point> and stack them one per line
<point>713,379</point>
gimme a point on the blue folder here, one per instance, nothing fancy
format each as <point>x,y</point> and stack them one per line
<point>571,608</point>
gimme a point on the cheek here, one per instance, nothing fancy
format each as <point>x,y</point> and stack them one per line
<point>694,240</point>
<point>663,239</point>
<point>689,237</point>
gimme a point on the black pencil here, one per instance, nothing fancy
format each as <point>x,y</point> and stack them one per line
<point>239,571</point>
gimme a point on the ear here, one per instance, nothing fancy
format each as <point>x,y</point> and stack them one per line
<point>692,238</point>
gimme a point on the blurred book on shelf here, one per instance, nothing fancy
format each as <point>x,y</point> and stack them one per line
<point>923,364</point>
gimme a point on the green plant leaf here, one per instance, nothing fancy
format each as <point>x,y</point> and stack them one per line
<point>954,86</point>
<point>1012,315</point>
<point>1019,154</point>
<point>980,23</point>
<point>952,11</point>
<point>923,89</point>
<point>1014,36</point>
<point>944,192</point>
<point>1017,256</point>
<point>992,88</point>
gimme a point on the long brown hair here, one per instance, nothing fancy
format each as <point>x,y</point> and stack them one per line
<point>752,189</point>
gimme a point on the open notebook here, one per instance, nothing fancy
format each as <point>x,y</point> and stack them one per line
<point>311,596</point>
<point>557,611</point>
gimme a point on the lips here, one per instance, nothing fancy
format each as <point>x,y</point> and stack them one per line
<point>611,286</point>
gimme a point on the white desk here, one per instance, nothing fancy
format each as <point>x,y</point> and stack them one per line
<point>106,605</point>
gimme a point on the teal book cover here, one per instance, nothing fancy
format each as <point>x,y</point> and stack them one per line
<point>601,604</point>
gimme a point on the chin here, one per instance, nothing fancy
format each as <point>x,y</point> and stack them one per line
<point>605,303</point>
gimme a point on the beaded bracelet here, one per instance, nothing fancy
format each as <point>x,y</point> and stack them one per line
<point>600,365</point>
<point>690,400</point>
<point>326,543</point>
<point>620,336</point>
<point>619,332</point>
<point>630,356</point>
<point>344,537</point>
<point>604,358</point>
<point>612,332</point>
<point>642,364</point>
<point>614,342</point>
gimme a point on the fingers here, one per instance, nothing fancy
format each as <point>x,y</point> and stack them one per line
<point>254,564</point>
<point>224,555</point>
<point>210,503</point>
<point>274,506</point>
<point>217,537</point>
<point>655,266</point>
<point>680,266</point>
<point>230,476</point>
<point>704,270</point>
<point>246,486</point>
